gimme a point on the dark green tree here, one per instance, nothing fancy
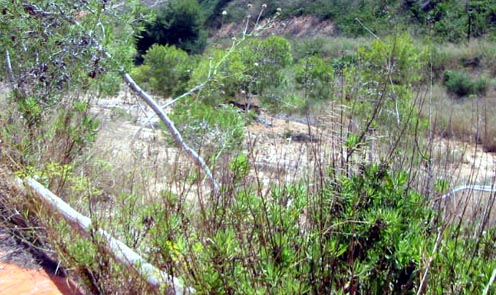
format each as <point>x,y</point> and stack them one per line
<point>212,11</point>
<point>179,23</point>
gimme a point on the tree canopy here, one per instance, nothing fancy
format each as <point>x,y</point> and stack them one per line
<point>179,23</point>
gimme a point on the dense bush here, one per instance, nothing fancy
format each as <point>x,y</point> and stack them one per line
<point>266,60</point>
<point>256,67</point>
<point>365,233</point>
<point>315,77</point>
<point>382,81</point>
<point>461,84</point>
<point>165,70</point>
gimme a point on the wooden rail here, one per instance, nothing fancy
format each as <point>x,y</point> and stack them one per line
<point>157,280</point>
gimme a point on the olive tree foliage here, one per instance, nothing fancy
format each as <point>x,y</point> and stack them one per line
<point>53,59</point>
<point>56,46</point>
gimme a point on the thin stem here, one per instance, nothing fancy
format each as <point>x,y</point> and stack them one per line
<point>425,276</point>
<point>10,72</point>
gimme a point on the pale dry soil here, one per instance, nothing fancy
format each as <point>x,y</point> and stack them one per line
<point>469,165</point>
<point>281,148</point>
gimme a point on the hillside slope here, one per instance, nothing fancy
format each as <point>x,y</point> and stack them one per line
<point>450,20</point>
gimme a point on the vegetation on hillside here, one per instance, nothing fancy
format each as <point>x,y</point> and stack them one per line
<point>450,20</point>
<point>368,215</point>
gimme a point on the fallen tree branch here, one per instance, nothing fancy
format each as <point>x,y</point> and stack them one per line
<point>172,129</point>
<point>156,279</point>
<point>472,187</point>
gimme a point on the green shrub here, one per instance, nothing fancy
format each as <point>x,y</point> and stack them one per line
<point>481,85</point>
<point>451,22</point>
<point>255,67</point>
<point>396,59</point>
<point>366,232</point>
<point>224,73</point>
<point>166,70</point>
<point>213,129</point>
<point>265,60</point>
<point>458,82</point>
<point>240,167</point>
<point>308,47</point>
<point>382,81</point>
<point>315,77</point>
<point>461,84</point>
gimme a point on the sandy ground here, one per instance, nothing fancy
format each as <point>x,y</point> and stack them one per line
<point>279,145</point>
<point>283,149</point>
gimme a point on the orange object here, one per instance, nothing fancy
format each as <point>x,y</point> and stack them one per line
<point>15,280</point>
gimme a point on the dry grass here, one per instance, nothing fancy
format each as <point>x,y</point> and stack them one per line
<point>477,53</point>
<point>469,119</point>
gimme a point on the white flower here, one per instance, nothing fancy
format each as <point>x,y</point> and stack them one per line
<point>264,5</point>
<point>224,12</point>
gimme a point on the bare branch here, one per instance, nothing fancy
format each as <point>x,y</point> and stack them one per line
<point>472,187</point>
<point>172,129</point>
<point>13,82</point>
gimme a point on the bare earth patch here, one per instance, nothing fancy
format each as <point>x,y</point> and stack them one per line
<point>278,145</point>
<point>20,273</point>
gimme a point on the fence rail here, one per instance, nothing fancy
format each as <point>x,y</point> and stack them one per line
<point>157,280</point>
